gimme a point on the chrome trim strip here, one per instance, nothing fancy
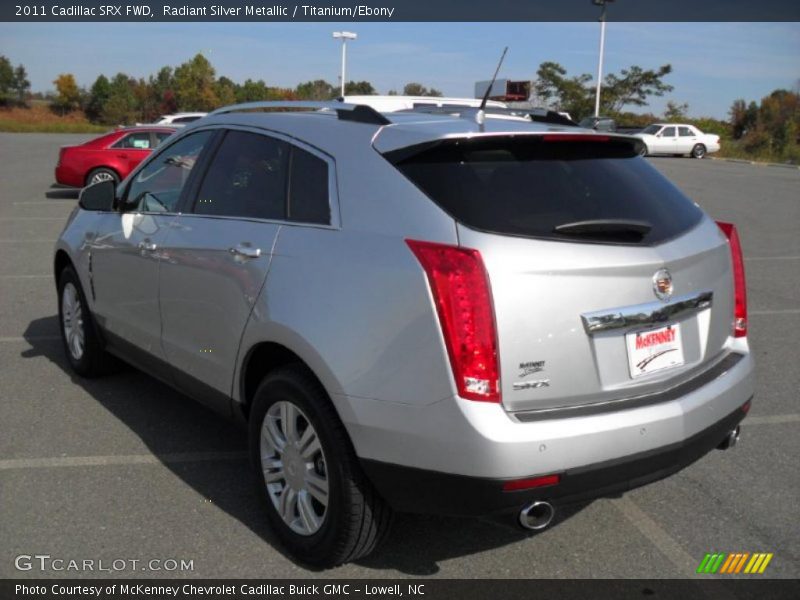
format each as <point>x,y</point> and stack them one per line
<point>727,363</point>
<point>650,313</point>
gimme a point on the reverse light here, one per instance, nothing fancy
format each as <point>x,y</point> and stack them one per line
<point>530,483</point>
<point>463,298</point>
<point>739,285</point>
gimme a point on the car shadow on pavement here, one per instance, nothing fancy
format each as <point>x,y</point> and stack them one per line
<point>57,192</point>
<point>174,428</point>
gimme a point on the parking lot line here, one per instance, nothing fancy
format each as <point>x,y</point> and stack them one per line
<point>772,419</point>
<point>777,311</point>
<point>772,258</point>
<point>23,241</point>
<point>666,544</point>
<point>130,459</point>
<point>25,276</point>
<point>32,218</point>
<point>32,338</point>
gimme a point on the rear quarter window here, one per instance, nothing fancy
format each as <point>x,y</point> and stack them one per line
<point>528,186</point>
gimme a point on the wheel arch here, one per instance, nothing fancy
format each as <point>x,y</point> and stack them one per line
<point>60,262</point>
<point>265,356</point>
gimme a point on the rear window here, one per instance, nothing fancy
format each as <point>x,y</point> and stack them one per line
<point>528,187</point>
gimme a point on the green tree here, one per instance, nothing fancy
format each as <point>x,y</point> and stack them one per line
<point>251,91</point>
<point>633,86</point>
<point>315,90</point>
<point>225,89</point>
<point>120,107</point>
<point>417,89</point>
<point>194,85</point>
<point>675,111</point>
<point>556,90</point>
<point>21,85</point>
<point>162,91</point>
<point>6,80</point>
<point>98,96</point>
<point>69,96</point>
<point>359,88</point>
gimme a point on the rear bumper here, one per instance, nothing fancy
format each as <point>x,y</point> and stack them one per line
<point>66,175</point>
<point>421,491</point>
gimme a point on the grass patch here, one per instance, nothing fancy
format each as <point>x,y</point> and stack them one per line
<point>40,119</point>
<point>790,155</point>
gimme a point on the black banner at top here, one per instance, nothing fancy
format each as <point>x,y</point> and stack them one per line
<point>400,10</point>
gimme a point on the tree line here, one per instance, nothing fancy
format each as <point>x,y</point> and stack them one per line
<point>769,127</point>
<point>191,86</point>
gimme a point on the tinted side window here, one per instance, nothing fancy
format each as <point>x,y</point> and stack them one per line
<point>137,141</point>
<point>161,136</point>
<point>247,178</point>
<point>158,186</point>
<point>308,188</point>
<point>685,132</point>
<point>668,132</point>
<point>528,187</point>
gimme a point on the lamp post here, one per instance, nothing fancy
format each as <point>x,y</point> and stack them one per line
<point>601,3</point>
<point>344,36</point>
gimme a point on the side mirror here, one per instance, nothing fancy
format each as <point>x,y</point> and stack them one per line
<point>99,196</point>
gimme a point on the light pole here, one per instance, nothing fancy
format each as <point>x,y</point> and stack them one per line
<point>344,36</point>
<point>601,3</point>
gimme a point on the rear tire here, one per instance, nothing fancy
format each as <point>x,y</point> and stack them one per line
<point>102,174</point>
<point>699,151</point>
<point>318,501</point>
<point>82,345</point>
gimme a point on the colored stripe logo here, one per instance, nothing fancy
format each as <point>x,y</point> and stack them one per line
<point>735,563</point>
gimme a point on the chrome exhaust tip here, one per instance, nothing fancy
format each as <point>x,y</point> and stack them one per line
<point>731,439</point>
<point>536,515</point>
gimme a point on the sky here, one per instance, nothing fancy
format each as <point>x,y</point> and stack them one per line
<point>713,63</point>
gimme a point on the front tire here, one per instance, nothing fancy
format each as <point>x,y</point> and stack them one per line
<point>318,501</point>
<point>699,151</point>
<point>82,345</point>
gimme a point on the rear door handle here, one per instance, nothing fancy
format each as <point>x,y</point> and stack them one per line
<point>245,251</point>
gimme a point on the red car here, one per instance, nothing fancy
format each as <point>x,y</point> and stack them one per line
<point>110,156</point>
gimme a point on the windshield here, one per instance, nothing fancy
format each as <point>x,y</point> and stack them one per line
<point>652,129</point>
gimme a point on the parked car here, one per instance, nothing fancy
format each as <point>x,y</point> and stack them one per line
<point>677,139</point>
<point>108,157</point>
<point>415,312</point>
<point>181,118</point>
<point>599,123</point>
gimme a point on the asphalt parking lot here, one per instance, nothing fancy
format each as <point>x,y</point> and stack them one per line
<point>126,468</point>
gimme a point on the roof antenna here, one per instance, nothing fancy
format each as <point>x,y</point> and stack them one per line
<point>480,116</point>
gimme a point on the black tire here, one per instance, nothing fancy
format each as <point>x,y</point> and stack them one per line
<point>356,518</point>
<point>102,174</point>
<point>93,361</point>
<point>699,151</point>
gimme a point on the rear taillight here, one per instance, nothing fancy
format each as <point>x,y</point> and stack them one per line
<point>739,286</point>
<point>530,483</point>
<point>463,298</point>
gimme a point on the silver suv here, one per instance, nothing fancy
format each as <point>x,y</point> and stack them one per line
<point>432,313</point>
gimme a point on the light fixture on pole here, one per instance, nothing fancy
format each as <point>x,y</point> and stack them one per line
<point>601,3</point>
<point>344,36</point>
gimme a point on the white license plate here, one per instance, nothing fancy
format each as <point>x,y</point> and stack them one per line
<point>652,350</point>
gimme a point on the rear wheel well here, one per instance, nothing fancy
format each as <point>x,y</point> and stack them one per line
<point>261,359</point>
<point>98,168</point>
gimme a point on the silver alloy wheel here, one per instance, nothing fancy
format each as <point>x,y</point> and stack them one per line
<point>72,320</point>
<point>294,468</point>
<point>699,151</point>
<point>101,176</point>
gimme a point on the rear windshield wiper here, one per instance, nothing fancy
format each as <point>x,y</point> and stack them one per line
<point>605,228</point>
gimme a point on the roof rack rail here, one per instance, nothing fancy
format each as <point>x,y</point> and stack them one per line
<point>539,115</point>
<point>357,113</point>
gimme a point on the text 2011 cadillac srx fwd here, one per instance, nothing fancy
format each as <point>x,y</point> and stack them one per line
<point>442,313</point>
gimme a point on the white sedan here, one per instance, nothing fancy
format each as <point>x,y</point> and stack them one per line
<point>672,138</point>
